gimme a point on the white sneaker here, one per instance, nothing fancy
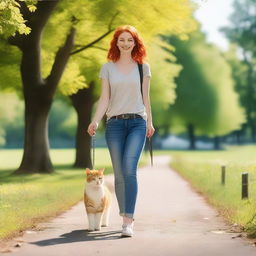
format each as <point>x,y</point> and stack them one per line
<point>127,230</point>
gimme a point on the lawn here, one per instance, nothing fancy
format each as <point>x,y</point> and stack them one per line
<point>203,170</point>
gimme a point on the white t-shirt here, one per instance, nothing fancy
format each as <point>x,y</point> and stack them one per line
<point>125,89</point>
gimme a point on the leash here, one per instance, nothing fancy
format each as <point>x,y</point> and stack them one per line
<point>93,151</point>
<point>149,139</point>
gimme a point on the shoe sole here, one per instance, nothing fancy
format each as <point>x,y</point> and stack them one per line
<point>125,235</point>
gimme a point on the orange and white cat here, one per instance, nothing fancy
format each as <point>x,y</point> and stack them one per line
<point>97,199</point>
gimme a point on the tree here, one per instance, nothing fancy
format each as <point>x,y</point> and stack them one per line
<point>203,87</point>
<point>39,92</point>
<point>163,95</point>
<point>243,33</point>
<point>239,74</point>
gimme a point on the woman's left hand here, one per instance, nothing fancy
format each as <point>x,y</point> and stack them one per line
<point>150,129</point>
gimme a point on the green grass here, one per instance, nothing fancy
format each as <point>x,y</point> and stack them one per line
<point>26,200</point>
<point>203,170</point>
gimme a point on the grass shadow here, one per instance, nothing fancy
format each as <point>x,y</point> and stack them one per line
<point>8,175</point>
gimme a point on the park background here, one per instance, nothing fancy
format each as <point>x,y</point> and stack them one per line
<point>202,96</point>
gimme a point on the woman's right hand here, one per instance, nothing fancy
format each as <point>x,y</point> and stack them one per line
<point>92,128</point>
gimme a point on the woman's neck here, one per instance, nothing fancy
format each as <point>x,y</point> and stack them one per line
<point>126,58</point>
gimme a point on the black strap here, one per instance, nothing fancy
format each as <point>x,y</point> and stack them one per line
<point>149,139</point>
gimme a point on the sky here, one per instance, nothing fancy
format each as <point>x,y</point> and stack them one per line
<point>214,14</point>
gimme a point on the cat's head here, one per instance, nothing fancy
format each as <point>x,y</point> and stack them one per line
<point>95,177</point>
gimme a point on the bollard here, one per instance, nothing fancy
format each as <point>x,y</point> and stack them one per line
<point>244,185</point>
<point>223,174</point>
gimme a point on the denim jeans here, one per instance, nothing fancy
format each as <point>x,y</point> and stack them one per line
<point>125,139</point>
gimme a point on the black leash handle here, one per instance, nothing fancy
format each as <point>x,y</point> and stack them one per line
<point>151,151</point>
<point>149,139</point>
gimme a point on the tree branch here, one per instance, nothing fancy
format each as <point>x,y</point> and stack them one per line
<point>61,59</point>
<point>110,29</point>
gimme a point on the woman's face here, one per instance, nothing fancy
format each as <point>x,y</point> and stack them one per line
<point>125,42</point>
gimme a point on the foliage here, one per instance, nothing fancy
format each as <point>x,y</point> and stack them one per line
<point>11,19</point>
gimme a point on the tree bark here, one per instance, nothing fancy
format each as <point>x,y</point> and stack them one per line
<point>83,102</point>
<point>36,146</point>
<point>216,140</point>
<point>191,136</point>
<point>250,97</point>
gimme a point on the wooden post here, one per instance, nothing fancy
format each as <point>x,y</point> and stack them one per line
<point>244,185</point>
<point>223,174</point>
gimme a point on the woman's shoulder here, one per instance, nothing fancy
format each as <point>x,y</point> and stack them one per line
<point>107,65</point>
<point>146,64</point>
<point>146,69</point>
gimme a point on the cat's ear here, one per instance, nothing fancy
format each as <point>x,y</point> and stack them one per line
<point>88,171</point>
<point>102,170</point>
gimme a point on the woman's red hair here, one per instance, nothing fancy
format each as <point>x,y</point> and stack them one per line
<point>138,52</point>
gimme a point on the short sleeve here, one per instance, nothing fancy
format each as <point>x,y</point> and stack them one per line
<point>104,71</point>
<point>146,70</point>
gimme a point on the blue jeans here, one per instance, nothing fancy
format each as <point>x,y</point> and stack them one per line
<point>125,140</point>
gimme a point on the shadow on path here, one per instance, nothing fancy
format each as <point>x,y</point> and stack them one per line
<point>79,236</point>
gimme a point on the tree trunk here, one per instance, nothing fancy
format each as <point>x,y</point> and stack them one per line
<point>191,136</point>
<point>36,146</point>
<point>83,102</point>
<point>38,92</point>
<point>238,136</point>
<point>250,97</point>
<point>252,129</point>
<point>216,140</point>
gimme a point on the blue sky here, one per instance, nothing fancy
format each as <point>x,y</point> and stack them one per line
<point>214,14</point>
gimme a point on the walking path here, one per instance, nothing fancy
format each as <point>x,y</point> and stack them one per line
<point>170,219</point>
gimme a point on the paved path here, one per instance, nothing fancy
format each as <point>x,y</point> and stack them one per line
<point>171,219</point>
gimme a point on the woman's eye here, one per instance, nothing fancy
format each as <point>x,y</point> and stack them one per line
<point>129,40</point>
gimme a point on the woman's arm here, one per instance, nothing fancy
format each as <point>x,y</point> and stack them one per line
<point>101,107</point>
<point>103,101</point>
<point>146,97</point>
<point>146,100</point>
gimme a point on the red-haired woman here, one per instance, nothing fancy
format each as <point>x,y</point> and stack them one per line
<point>129,118</point>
